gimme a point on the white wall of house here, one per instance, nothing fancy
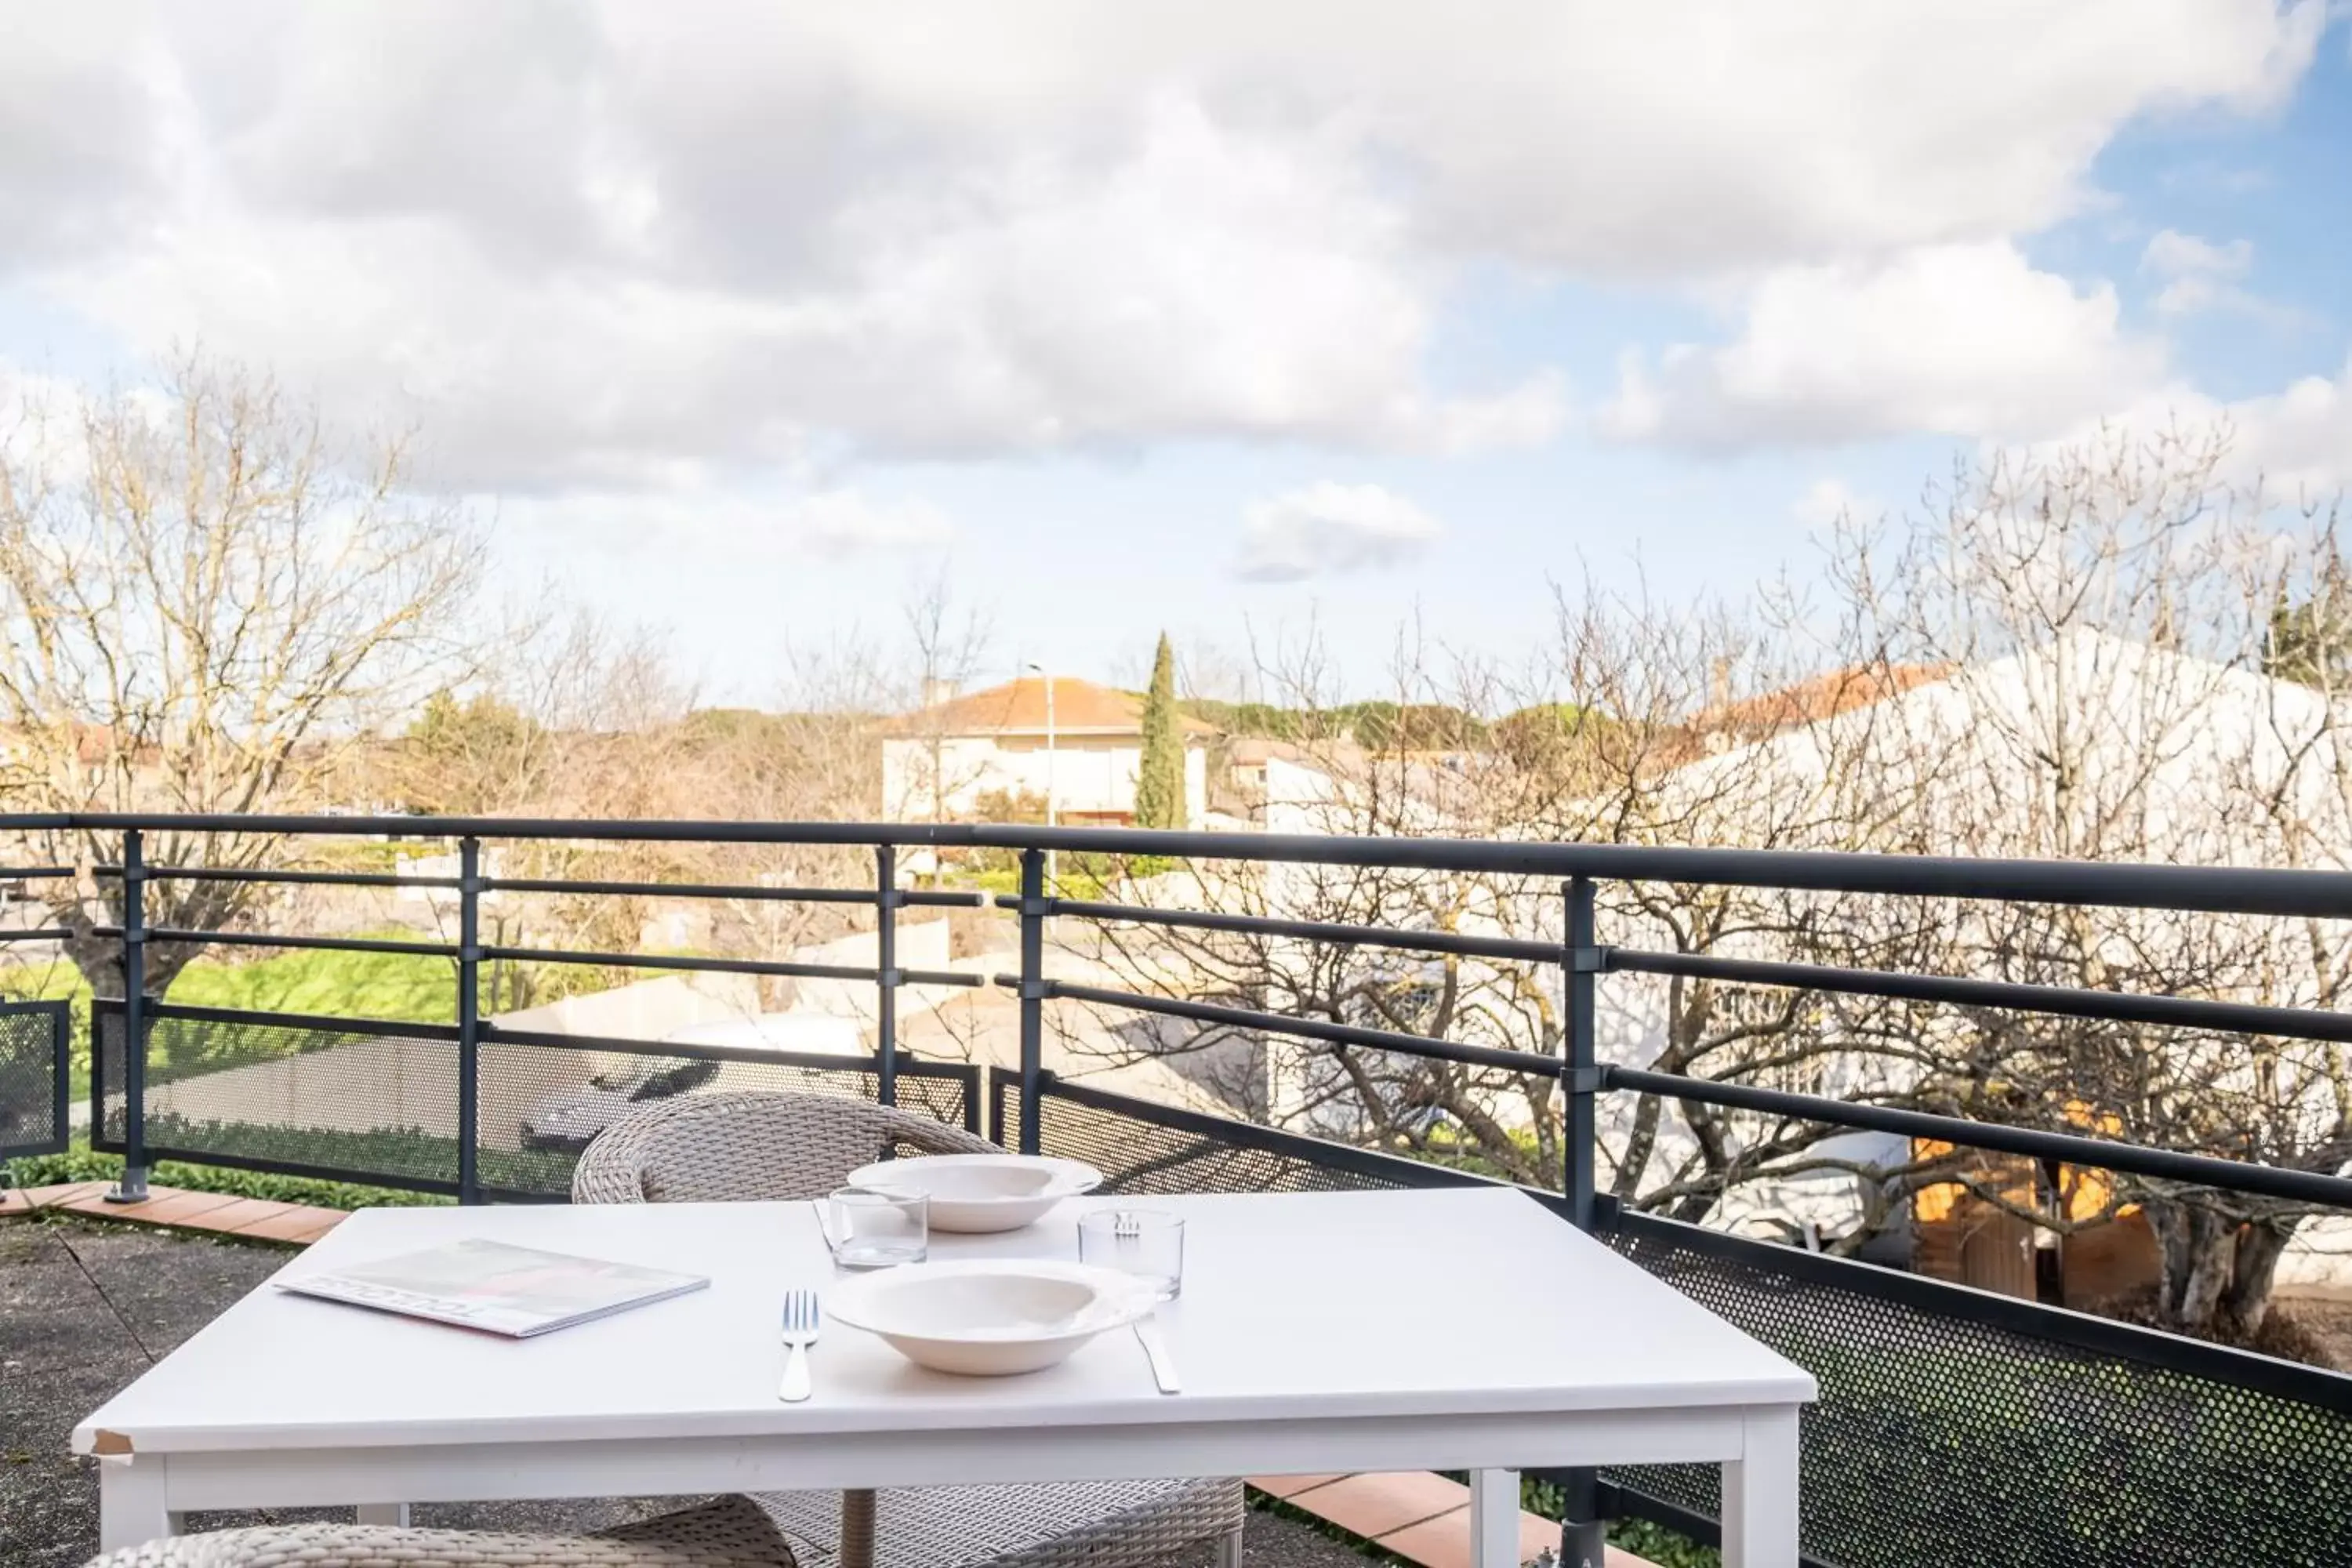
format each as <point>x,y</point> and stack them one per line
<point>1089,776</point>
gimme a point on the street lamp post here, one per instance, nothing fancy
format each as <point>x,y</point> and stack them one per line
<point>1051,798</point>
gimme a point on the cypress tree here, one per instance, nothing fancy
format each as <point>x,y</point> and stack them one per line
<point>1160,783</point>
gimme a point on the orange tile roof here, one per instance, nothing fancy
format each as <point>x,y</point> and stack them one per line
<point>1018,708</point>
<point>1823,696</point>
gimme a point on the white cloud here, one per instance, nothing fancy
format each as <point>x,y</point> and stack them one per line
<point>1324,529</point>
<point>2299,441</point>
<point>586,243</point>
<point>2173,254</point>
<point>848,522</point>
<point>2199,275</point>
<point>1828,501</point>
<point>1964,340</point>
<point>692,512</point>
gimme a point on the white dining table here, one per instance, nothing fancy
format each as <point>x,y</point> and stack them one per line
<point>1462,1328</point>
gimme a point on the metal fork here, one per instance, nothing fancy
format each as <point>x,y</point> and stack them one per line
<point>802,1317</point>
<point>1128,1230</point>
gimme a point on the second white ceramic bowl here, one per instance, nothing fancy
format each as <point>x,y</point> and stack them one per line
<point>990,1317</point>
<point>977,1193</point>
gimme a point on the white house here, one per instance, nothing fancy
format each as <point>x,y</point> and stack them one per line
<point>1018,745</point>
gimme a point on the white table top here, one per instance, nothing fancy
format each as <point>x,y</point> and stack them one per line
<point>1444,1302</point>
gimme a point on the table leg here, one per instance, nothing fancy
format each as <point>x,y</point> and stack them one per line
<point>393,1513</point>
<point>130,1503</point>
<point>1494,1519</point>
<point>1759,1494</point>
<point>856,1531</point>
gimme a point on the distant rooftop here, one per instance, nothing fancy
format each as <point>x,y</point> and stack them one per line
<point>1018,708</point>
<point>1823,696</point>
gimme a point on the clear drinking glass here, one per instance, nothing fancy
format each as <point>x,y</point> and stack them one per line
<point>875,1230</point>
<point>1149,1243</point>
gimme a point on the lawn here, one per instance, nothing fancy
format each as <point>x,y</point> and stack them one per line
<point>401,986</point>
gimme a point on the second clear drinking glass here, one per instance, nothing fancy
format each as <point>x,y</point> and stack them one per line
<point>876,1230</point>
<point>1149,1243</point>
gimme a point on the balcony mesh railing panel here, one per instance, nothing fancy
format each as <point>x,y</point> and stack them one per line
<point>1138,1154</point>
<point>30,1064</point>
<point>1946,1441</point>
<point>367,1102</point>
<point>542,1104</point>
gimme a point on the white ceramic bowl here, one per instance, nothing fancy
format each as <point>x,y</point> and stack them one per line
<point>990,1317</point>
<point>976,1193</point>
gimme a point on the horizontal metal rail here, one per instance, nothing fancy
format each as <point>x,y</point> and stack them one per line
<point>941,977</point>
<point>2200,1170</point>
<point>35,873</point>
<point>944,899</point>
<point>933,900</point>
<point>321,1023</point>
<point>1310,1028</point>
<point>310,879</point>
<point>869,1063</point>
<point>727,965</point>
<point>1315,930</point>
<point>2208,890</point>
<point>680,890</point>
<point>2184,1012</point>
<point>1367,1163</point>
<point>320,943</point>
<point>46,934</point>
<point>274,1166</point>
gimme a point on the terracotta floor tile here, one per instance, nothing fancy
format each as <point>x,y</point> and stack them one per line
<point>63,1193</point>
<point>323,1221</point>
<point>1620,1558</point>
<point>1444,1541</point>
<point>1289,1486</point>
<point>236,1216</point>
<point>1440,1543</point>
<point>175,1208</point>
<point>1374,1505</point>
<point>295,1224</point>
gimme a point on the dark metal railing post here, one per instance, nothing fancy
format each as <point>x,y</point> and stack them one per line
<point>886,978</point>
<point>469,1019</point>
<point>1579,1068</point>
<point>132,1187</point>
<point>1582,1531</point>
<point>1033,991</point>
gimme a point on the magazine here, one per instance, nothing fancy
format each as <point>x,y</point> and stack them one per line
<point>515,1290</point>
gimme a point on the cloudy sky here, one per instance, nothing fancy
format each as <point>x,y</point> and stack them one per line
<point>1203,316</point>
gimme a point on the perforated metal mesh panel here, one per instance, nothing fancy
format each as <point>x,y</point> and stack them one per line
<point>32,1078</point>
<point>303,1095</point>
<point>1139,1153</point>
<point>371,1101</point>
<point>540,1104</point>
<point>1947,1441</point>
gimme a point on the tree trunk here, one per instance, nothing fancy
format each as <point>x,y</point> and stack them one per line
<point>100,959</point>
<point>2248,1300</point>
<point>2217,1268</point>
<point>2200,1249</point>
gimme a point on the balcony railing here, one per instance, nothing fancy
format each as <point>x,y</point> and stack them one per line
<point>1955,1426</point>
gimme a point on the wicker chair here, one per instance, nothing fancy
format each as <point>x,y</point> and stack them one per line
<point>730,1533</point>
<point>758,1146</point>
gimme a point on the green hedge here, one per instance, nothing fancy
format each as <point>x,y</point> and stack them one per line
<point>405,1150</point>
<point>81,1164</point>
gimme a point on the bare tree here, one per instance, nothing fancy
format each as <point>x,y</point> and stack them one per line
<point>948,642</point>
<point>208,601</point>
<point>2106,610</point>
<point>1615,743</point>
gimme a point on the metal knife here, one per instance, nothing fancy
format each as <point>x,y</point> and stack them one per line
<point>1163,1365</point>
